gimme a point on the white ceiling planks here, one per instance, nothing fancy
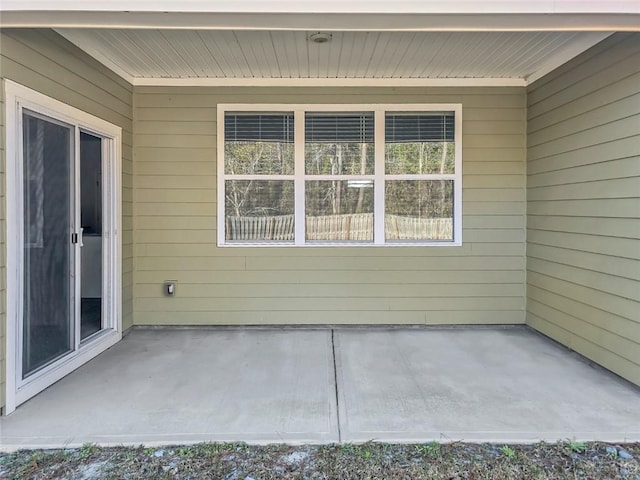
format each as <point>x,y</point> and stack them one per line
<point>141,54</point>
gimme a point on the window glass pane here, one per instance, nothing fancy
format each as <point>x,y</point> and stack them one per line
<point>48,294</point>
<point>419,143</point>
<point>339,143</point>
<point>339,210</point>
<point>91,217</point>
<point>419,210</point>
<point>258,210</point>
<point>258,144</point>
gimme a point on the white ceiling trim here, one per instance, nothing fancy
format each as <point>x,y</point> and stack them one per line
<point>107,62</point>
<point>564,55</point>
<point>332,6</point>
<point>407,22</point>
<point>329,82</point>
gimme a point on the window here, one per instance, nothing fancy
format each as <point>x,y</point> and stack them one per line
<point>259,165</point>
<point>339,175</point>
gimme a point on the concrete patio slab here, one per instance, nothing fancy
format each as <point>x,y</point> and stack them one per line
<point>184,386</point>
<point>495,385</point>
<point>170,386</point>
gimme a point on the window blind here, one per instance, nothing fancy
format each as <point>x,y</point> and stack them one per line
<point>423,127</point>
<point>258,127</point>
<point>339,127</point>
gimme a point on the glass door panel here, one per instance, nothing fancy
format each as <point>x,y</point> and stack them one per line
<point>49,312</point>
<point>91,222</point>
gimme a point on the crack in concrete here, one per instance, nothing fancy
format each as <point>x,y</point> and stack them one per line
<point>335,382</point>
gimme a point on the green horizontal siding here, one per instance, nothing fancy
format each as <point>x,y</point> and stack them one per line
<point>583,224</point>
<point>44,61</point>
<point>175,222</point>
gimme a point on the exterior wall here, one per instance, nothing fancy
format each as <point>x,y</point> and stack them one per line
<point>44,61</point>
<point>583,223</point>
<point>175,224</point>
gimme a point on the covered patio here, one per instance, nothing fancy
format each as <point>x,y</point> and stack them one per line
<point>321,385</point>
<point>319,221</point>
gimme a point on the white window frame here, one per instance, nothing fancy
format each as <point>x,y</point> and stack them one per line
<point>17,98</point>
<point>379,177</point>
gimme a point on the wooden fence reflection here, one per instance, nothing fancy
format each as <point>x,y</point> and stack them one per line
<point>354,227</point>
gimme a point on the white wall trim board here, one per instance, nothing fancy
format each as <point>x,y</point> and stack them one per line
<point>628,20</point>
<point>103,59</point>
<point>337,6</point>
<point>329,82</point>
<point>564,55</point>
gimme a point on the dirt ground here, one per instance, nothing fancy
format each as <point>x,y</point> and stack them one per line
<point>238,461</point>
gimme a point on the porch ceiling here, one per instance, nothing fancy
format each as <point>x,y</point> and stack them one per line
<point>288,57</point>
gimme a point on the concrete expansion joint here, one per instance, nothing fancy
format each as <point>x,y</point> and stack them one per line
<point>335,382</point>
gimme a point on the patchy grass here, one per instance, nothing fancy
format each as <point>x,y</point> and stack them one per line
<point>238,461</point>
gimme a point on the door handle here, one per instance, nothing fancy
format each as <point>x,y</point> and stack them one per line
<point>77,237</point>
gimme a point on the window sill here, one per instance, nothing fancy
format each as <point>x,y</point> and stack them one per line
<point>322,244</point>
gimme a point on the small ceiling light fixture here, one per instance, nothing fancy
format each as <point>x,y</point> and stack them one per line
<point>320,37</point>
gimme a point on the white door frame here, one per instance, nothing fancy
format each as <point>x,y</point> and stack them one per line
<point>17,97</point>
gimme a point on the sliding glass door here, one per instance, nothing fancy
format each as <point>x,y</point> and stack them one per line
<point>62,231</point>
<point>63,243</point>
<point>48,253</point>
